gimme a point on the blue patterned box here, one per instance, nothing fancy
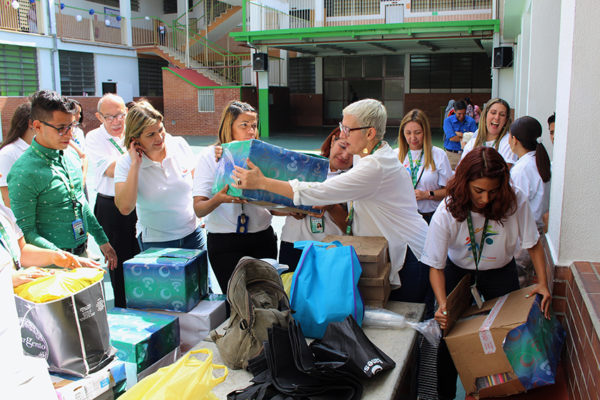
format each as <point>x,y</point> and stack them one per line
<point>142,337</point>
<point>274,162</point>
<point>167,279</point>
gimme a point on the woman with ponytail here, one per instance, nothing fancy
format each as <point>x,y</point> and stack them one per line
<point>531,173</point>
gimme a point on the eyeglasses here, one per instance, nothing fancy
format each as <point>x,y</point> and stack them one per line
<point>62,130</point>
<point>111,118</point>
<point>346,131</point>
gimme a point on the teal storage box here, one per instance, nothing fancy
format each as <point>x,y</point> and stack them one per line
<point>142,337</point>
<point>166,279</point>
<point>274,162</point>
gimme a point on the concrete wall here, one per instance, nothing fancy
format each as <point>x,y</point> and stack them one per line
<point>122,70</point>
<point>434,103</point>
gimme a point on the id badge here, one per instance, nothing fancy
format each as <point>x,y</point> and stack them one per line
<point>317,224</point>
<point>78,229</point>
<point>477,296</point>
<point>242,224</point>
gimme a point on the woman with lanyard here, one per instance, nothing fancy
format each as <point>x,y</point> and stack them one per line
<point>235,228</point>
<point>155,178</point>
<point>492,132</point>
<point>428,165</point>
<point>332,222</point>
<point>475,231</point>
<point>17,140</point>
<point>381,195</point>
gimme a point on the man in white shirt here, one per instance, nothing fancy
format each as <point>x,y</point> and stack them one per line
<point>104,146</point>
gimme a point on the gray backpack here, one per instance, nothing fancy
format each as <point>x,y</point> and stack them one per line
<point>258,301</point>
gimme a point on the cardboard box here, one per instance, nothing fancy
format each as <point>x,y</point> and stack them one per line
<point>504,348</point>
<point>169,279</point>
<point>372,252</point>
<point>100,384</point>
<point>142,337</point>
<point>375,292</point>
<point>195,325</point>
<point>274,162</point>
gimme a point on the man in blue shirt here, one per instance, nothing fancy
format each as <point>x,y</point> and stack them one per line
<point>454,127</point>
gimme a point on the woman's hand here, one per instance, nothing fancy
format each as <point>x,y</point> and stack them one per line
<point>298,215</point>
<point>65,260</point>
<point>218,153</point>
<point>251,178</point>
<point>421,194</point>
<point>89,263</point>
<point>110,255</point>
<point>26,275</point>
<point>546,298</point>
<point>441,316</point>
<point>222,197</point>
<point>135,152</point>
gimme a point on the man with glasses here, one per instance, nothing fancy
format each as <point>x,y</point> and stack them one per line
<point>45,184</point>
<point>104,146</point>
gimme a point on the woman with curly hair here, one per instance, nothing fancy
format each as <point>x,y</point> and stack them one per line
<point>493,129</point>
<point>475,231</point>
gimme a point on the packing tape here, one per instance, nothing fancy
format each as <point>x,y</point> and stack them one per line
<point>485,336</point>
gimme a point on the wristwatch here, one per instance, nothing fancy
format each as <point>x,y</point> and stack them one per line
<point>431,194</point>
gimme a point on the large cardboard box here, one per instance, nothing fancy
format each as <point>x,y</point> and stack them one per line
<point>504,348</point>
<point>168,279</point>
<point>375,292</point>
<point>142,337</point>
<point>372,252</point>
<point>274,162</point>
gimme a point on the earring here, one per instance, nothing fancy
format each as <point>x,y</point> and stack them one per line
<point>365,150</point>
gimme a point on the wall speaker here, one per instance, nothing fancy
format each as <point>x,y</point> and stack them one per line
<point>260,62</point>
<point>503,56</point>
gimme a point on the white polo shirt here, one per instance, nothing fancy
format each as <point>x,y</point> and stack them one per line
<point>430,180</point>
<point>8,155</point>
<point>300,229</point>
<point>223,219</point>
<point>503,148</point>
<point>102,153</point>
<point>164,204</point>
<point>449,238</point>
<point>384,203</point>
<point>524,175</point>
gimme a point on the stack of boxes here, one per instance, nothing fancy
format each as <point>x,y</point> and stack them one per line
<point>373,254</point>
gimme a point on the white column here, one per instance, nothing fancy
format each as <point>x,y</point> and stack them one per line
<point>125,11</point>
<point>319,13</point>
<point>524,41</point>
<point>573,231</point>
<point>543,55</point>
<point>319,75</point>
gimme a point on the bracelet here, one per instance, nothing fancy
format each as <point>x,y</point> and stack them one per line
<point>431,194</point>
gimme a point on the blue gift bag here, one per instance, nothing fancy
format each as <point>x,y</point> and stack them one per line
<point>325,286</point>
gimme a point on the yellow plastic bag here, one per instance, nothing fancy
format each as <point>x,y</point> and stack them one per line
<point>187,379</point>
<point>61,284</point>
<point>287,282</point>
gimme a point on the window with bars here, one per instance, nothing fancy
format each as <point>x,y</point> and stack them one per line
<point>465,71</point>
<point>449,5</point>
<point>150,74</point>
<point>76,73</point>
<point>301,75</point>
<point>18,70</point>
<point>206,100</point>
<point>135,4</point>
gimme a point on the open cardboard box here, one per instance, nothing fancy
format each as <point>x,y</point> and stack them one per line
<point>504,348</point>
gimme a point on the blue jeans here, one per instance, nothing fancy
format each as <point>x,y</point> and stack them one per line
<point>195,240</point>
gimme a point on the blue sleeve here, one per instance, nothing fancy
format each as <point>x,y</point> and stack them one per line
<point>472,125</point>
<point>448,129</point>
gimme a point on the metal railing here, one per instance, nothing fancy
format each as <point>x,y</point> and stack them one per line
<point>77,23</point>
<point>21,19</point>
<point>211,10</point>
<point>449,5</point>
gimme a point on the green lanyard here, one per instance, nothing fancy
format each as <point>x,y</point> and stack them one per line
<point>117,145</point>
<point>476,254</point>
<point>8,245</point>
<point>350,217</point>
<point>66,180</point>
<point>414,169</point>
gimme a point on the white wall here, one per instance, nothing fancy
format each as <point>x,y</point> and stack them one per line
<point>522,71</point>
<point>122,70</point>
<point>45,77</point>
<point>573,232</point>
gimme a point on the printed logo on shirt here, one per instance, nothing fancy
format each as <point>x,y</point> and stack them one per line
<point>489,234</point>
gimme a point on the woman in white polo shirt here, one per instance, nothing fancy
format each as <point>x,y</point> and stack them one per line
<point>381,196</point>
<point>18,139</point>
<point>427,165</point>
<point>155,178</point>
<point>475,231</point>
<point>234,228</point>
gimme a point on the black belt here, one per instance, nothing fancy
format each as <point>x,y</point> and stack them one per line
<point>103,196</point>
<point>79,250</point>
<point>453,151</point>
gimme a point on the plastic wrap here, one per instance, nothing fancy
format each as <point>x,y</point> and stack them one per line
<point>381,318</point>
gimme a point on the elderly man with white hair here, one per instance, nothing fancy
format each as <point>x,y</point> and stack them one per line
<point>104,146</point>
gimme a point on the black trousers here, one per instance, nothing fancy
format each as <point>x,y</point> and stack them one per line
<point>120,230</point>
<point>491,283</point>
<point>226,249</point>
<point>289,255</point>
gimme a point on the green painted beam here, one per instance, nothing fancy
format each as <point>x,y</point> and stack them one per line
<point>353,31</point>
<point>263,112</point>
